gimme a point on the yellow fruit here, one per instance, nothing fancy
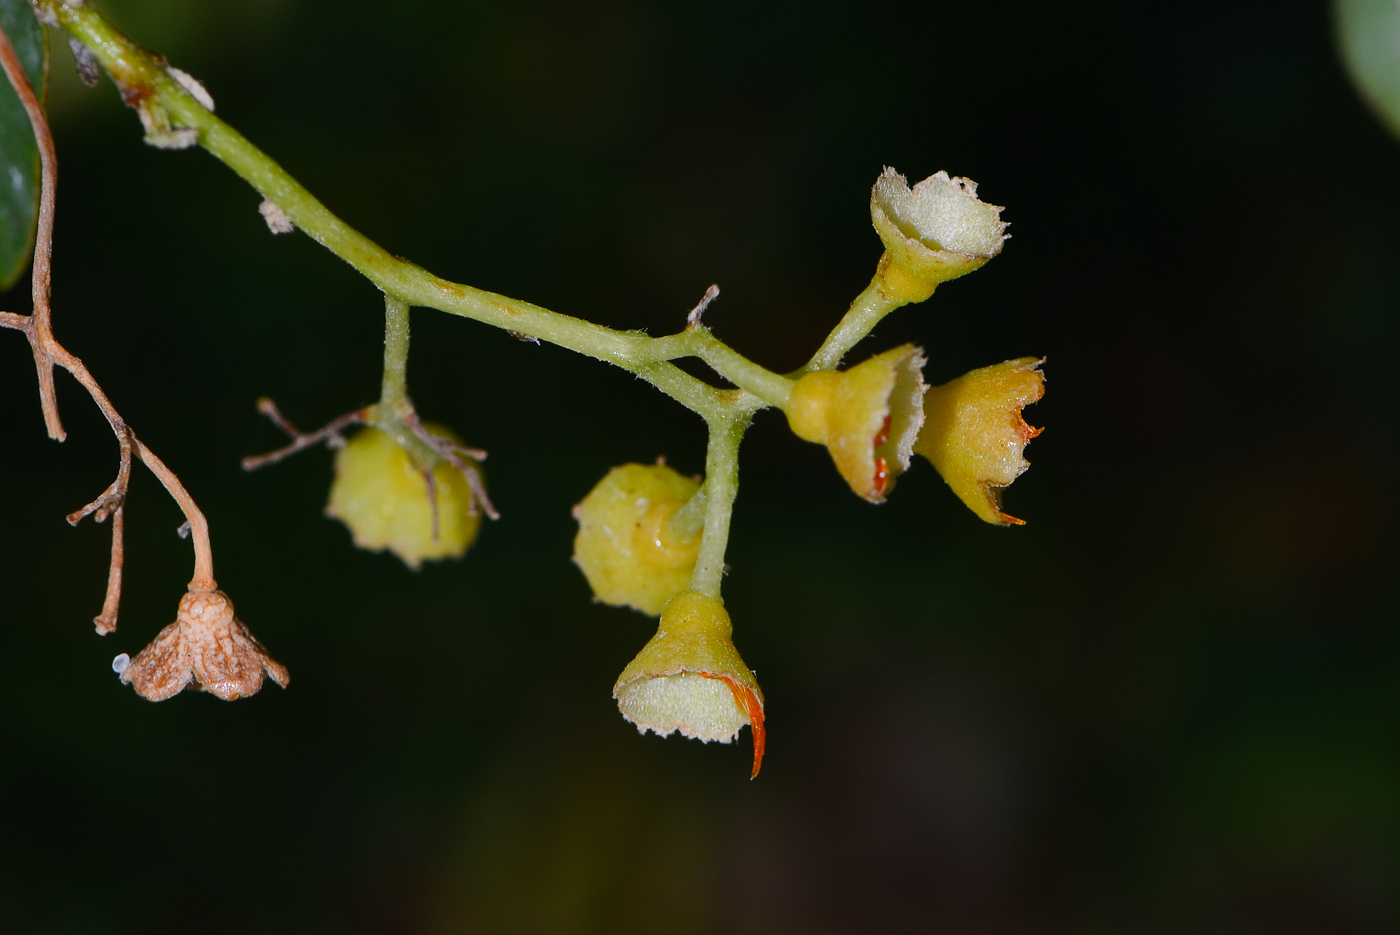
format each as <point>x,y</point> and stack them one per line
<point>625,547</point>
<point>690,678</point>
<point>974,433</point>
<point>381,494</point>
<point>867,417</point>
<point>936,231</point>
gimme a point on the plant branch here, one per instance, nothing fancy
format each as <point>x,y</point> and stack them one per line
<point>142,76</point>
<point>112,503</point>
<point>328,433</point>
<point>40,328</point>
<point>49,353</point>
<point>452,453</point>
<point>866,311</point>
<point>768,386</point>
<point>203,577</point>
<point>721,487</point>
<point>393,392</point>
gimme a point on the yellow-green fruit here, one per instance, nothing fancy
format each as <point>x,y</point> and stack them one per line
<point>867,417</point>
<point>690,678</point>
<point>975,435</point>
<point>626,548</point>
<point>381,494</point>
<point>936,231</point>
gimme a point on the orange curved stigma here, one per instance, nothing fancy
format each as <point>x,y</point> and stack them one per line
<point>753,708</point>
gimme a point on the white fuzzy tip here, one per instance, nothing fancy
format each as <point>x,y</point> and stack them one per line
<point>944,213</point>
<point>276,218</point>
<point>188,81</point>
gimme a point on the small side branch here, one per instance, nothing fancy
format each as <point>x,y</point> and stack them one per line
<point>867,310</point>
<point>48,353</point>
<point>112,503</point>
<point>203,578</point>
<point>328,433</point>
<point>710,295</point>
<point>396,408</point>
<point>455,454</point>
<point>40,331</point>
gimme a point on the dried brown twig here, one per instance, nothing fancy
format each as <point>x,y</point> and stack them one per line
<point>207,647</point>
<point>452,453</point>
<point>48,353</point>
<point>328,433</point>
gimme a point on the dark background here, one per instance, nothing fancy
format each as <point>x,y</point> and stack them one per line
<point>1170,703</point>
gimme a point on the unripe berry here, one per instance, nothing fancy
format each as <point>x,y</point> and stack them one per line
<point>937,231</point>
<point>867,417</point>
<point>629,546</point>
<point>974,433</point>
<point>690,678</point>
<point>381,493</point>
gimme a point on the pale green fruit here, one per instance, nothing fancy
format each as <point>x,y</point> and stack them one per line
<point>867,417</point>
<point>381,494</point>
<point>690,678</point>
<point>936,231</point>
<point>974,433</point>
<point>625,547</point>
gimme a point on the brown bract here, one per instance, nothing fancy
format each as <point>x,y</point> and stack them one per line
<point>207,648</point>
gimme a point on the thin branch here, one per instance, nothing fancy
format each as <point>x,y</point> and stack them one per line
<point>203,578</point>
<point>393,391</point>
<point>40,332</point>
<point>116,493</point>
<point>328,433</point>
<point>48,353</point>
<point>112,503</point>
<point>106,622</point>
<point>142,77</point>
<point>710,295</point>
<point>721,487</point>
<point>452,452</point>
<point>867,310</point>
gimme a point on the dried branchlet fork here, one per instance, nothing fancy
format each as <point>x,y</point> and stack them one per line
<point>207,647</point>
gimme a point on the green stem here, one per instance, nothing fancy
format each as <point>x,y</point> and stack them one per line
<point>141,76</point>
<point>868,309</point>
<point>395,408</point>
<point>393,393</point>
<point>768,386</point>
<point>721,487</point>
<point>145,82</point>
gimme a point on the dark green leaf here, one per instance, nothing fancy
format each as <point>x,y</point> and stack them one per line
<point>1368,37</point>
<point>19,154</point>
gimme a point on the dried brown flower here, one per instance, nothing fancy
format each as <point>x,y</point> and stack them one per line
<point>207,648</point>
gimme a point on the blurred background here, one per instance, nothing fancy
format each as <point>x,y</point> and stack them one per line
<point>1169,703</point>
